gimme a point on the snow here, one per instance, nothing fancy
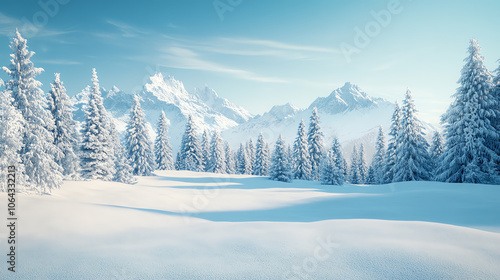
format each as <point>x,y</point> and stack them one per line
<point>188,225</point>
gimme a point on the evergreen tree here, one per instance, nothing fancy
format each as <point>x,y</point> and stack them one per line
<point>345,169</point>
<point>230,165</point>
<point>97,157</point>
<point>315,141</point>
<point>38,150</point>
<point>495,91</point>
<point>190,150</point>
<point>217,162</point>
<point>412,157</point>
<point>163,150</point>
<point>378,162</point>
<point>11,139</point>
<point>65,133</point>
<point>354,172</point>
<point>470,153</point>
<point>279,164</point>
<point>178,162</point>
<point>251,154</point>
<point>436,150</point>
<point>124,171</point>
<point>362,169</point>
<point>261,167</point>
<point>333,165</point>
<point>205,151</point>
<point>371,179</point>
<point>302,166</point>
<point>243,161</point>
<point>138,143</point>
<point>390,156</point>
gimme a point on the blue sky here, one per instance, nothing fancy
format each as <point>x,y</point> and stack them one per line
<point>259,53</point>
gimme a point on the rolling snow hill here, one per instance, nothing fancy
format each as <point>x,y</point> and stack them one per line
<point>186,225</point>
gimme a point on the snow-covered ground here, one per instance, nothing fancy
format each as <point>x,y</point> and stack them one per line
<point>184,225</point>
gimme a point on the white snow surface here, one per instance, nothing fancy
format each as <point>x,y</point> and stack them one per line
<point>186,225</point>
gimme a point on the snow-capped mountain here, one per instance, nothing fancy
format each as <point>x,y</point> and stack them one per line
<point>222,105</point>
<point>168,94</point>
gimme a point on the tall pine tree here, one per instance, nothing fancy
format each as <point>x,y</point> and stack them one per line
<point>302,166</point>
<point>333,165</point>
<point>470,153</point>
<point>230,165</point>
<point>280,168</point>
<point>205,151</point>
<point>354,170</point>
<point>243,160</point>
<point>38,150</point>
<point>190,155</point>
<point>390,155</point>
<point>412,157</point>
<point>362,167</point>
<point>138,143</point>
<point>261,167</point>
<point>217,163</point>
<point>315,141</point>
<point>435,151</point>
<point>65,133</point>
<point>378,162</point>
<point>163,150</point>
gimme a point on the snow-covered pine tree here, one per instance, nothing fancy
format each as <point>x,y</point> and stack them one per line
<point>279,164</point>
<point>362,169</point>
<point>333,165</point>
<point>339,157</point>
<point>301,157</point>
<point>346,169</point>
<point>412,157</point>
<point>378,162</point>
<point>163,150</point>
<point>178,162</point>
<point>65,132</point>
<point>251,154</point>
<point>436,150</point>
<point>261,167</point>
<point>97,156</point>
<point>230,166</point>
<point>495,91</point>
<point>11,139</point>
<point>243,161</point>
<point>354,170</point>
<point>371,178</point>
<point>205,151</point>
<point>390,155</point>
<point>315,141</point>
<point>470,155</point>
<point>217,162</point>
<point>38,150</point>
<point>138,144</point>
<point>124,171</point>
<point>190,150</point>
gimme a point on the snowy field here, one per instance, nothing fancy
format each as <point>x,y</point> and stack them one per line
<point>186,225</point>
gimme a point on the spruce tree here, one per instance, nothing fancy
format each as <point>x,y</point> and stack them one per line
<point>243,161</point>
<point>362,169</point>
<point>178,162</point>
<point>138,144</point>
<point>65,133</point>
<point>412,157</point>
<point>190,155</point>
<point>230,165</point>
<point>302,166</point>
<point>217,163</point>
<point>97,157</point>
<point>251,154</point>
<point>261,167</point>
<point>11,139</point>
<point>279,164</point>
<point>390,155</point>
<point>371,178</point>
<point>205,151</point>
<point>354,171</point>
<point>378,162</point>
<point>315,141</point>
<point>470,152</point>
<point>333,165</point>
<point>124,171</point>
<point>435,151</point>
<point>38,151</point>
<point>163,150</point>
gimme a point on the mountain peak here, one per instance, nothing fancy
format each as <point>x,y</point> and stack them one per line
<point>232,111</point>
<point>166,89</point>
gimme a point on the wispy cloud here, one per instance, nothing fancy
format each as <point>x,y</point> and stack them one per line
<point>183,58</point>
<point>126,29</point>
<point>60,62</point>
<point>280,45</point>
<point>9,24</point>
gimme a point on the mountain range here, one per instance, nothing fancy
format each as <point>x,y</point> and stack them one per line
<point>348,113</point>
